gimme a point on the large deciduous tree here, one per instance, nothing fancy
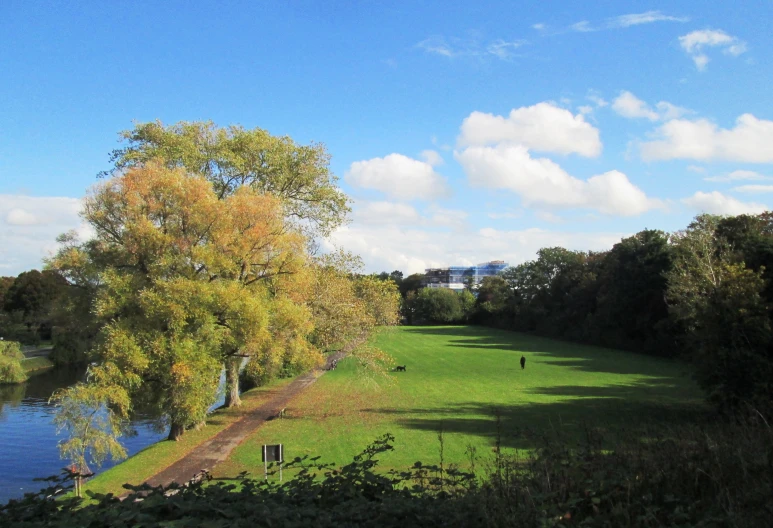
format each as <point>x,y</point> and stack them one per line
<point>345,306</point>
<point>631,310</point>
<point>32,294</point>
<point>439,305</point>
<point>233,157</point>
<point>186,281</point>
<point>725,318</point>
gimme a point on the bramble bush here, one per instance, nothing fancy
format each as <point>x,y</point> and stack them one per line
<point>688,476</point>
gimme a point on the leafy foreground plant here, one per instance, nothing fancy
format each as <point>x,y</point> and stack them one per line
<point>688,476</point>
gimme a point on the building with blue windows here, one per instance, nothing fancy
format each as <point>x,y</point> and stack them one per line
<point>457,277</point>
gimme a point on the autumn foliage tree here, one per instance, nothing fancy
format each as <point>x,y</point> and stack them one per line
<point>347,306</point>
<point>186,282</point>
<point>234,157</point>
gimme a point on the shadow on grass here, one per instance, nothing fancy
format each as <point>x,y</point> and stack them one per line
<point>662,400</point>
<point>586,358</point>
<point>524,426</point>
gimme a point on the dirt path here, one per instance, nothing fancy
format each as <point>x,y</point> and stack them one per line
<point>219,447</point>
<point>32,351</point>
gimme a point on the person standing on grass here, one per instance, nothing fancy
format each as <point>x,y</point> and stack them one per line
<point>523,362</point>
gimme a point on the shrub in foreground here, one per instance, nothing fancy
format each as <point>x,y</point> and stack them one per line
<point>686,476</point>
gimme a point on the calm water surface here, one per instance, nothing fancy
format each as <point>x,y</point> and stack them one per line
<point>28,439</point>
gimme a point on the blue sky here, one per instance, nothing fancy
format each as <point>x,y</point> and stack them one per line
<point>462,132</point>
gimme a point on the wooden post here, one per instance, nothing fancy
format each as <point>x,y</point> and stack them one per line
<point>265,463</point>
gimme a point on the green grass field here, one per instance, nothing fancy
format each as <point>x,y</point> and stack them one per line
<point>36,365</point>
<point>467,381</point>
<point>156,457</point>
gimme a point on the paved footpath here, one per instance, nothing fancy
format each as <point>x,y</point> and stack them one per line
<point>218,448</point>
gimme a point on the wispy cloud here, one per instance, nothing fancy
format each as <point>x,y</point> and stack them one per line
<point>453,47</point>
<point>636,19</point>
<point>628,105</point>
<point>695,44</point>
<point>596,99</point>
<point>617,22</point>
<point>739,175</point>
<point>754,188</point>
<point>583,26</point>
<point>438,46</point>
<point>504,49</point>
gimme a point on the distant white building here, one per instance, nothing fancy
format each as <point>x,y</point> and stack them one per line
<point>456,277</point>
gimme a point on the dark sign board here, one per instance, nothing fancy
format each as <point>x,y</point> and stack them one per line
<point>273,453</point>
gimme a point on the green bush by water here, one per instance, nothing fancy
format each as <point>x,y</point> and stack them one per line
<point>11,357</point>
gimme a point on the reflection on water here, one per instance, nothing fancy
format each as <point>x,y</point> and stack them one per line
<point>28,440</point>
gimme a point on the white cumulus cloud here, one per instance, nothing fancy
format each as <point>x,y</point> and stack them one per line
<point>717,203</point>
<point>385,212</point>
<point>695,44</point>
<point>628,105</point>
<point>432,157</point>
<point>749,141</point>
<point>542,182</point>
<point>401,214</point>
<point>29,226</point>
<point>542,127</point>
<point>398,176</point>
<point>547,216</point>
<point>412,249</point>
<point>19,217</point>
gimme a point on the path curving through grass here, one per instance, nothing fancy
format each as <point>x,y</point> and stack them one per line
<point>467,382</point>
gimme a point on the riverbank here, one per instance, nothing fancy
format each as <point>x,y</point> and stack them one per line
<point>166,461</point>
<point>29,436</point>
<point>36,365</point>
<point>157,457</point>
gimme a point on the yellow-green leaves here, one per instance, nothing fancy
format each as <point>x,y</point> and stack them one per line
<point>91,416</point>
<point>235,157</point>
<point>11,357</point>
<point>184,282</point>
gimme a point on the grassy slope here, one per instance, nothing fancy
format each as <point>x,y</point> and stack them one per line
<point>32,365</point>
<point>161,455</point>
<point>460,378</point>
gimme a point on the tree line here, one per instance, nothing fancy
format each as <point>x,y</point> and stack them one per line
<point>703,294</point>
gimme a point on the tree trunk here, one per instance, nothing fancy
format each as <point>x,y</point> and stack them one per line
<point>176,431</point>
<point>199,426</point>
<point>232,398</point>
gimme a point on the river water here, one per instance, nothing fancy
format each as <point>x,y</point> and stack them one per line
<point>28,439</point>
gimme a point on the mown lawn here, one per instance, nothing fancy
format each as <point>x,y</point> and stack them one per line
<point>154,458</point>
<point>467,382</point>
